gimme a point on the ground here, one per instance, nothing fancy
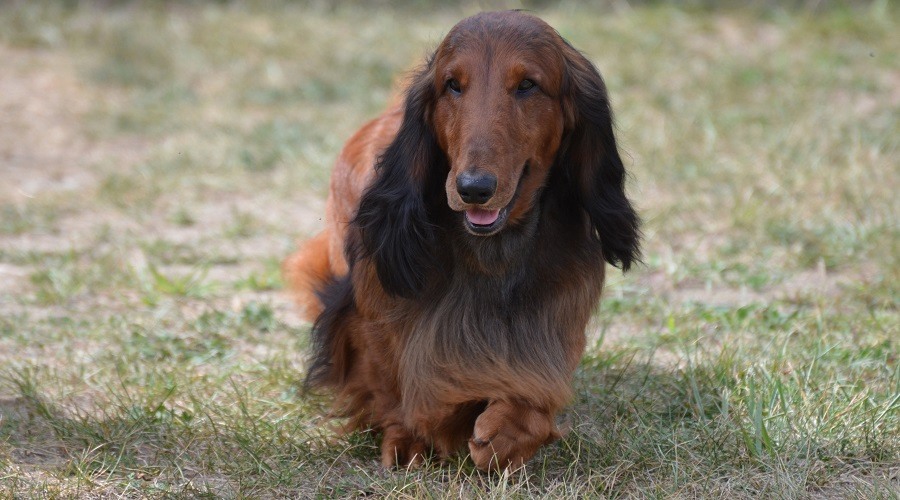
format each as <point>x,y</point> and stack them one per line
<point>158,160</point>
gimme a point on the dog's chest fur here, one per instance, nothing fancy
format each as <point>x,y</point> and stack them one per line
<point>502,312</point>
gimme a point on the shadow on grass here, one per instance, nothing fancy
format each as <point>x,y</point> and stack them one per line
<point>163,439</point>
<point>727,424</point>
<point>711,427</point>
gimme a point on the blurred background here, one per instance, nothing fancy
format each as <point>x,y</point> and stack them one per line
<point>158,160</point>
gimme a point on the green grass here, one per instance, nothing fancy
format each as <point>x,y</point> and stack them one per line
<point>160,160</point>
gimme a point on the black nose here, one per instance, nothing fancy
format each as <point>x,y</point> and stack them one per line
<point>475,187</point>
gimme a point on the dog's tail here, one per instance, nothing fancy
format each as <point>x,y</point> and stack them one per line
<point>307,271</point>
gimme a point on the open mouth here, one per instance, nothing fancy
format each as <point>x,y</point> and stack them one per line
<point>486,222</point>
<point>483,222</point>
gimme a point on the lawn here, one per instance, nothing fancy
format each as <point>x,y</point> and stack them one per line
<point>159,159</point>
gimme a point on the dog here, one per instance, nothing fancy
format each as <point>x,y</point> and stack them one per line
<point>467,230</point>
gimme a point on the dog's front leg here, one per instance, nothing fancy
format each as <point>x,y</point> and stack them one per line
<point>508,433</point>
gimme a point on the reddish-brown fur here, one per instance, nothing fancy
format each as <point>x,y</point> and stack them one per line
<point>322,257</point>
<point>438,336</point>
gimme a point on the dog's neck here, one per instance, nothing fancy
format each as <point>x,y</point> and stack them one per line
<point>494,256</point>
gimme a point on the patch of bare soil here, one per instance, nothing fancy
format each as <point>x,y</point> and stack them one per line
<point>816,282</point>
<point>40,447</point>
<point>40,147</point>
<point>45,150</point>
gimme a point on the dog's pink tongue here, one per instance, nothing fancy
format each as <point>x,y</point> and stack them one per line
<point>482,217</point>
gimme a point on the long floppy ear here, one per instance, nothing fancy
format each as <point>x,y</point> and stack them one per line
<point>393,216</point>
<point>594,171</point>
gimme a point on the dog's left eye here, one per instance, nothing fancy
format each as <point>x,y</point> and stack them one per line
<point>525,86</point>
<point>454,86</point>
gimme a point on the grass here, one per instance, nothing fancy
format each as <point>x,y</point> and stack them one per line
<point>160,160</point>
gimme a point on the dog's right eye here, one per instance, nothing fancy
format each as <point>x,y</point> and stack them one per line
<point>453,85</point>
<point>525,86</point>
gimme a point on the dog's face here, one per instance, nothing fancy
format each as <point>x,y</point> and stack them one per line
<point>498,116</point>
<point>503,101</point>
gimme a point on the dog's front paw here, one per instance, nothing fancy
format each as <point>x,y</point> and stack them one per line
<point>507,434</point>
<point>399,447</point>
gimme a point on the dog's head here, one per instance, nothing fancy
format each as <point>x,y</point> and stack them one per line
<point>503,102</point>
<point>497,115</point>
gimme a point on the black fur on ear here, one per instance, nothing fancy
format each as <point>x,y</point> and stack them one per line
<point>393,216</point>
<point>593,171</point>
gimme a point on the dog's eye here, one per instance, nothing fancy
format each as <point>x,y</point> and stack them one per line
<point>453,85</point>
<point>525,86</point>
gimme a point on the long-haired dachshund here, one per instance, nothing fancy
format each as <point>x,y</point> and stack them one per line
<point>464,247</point>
